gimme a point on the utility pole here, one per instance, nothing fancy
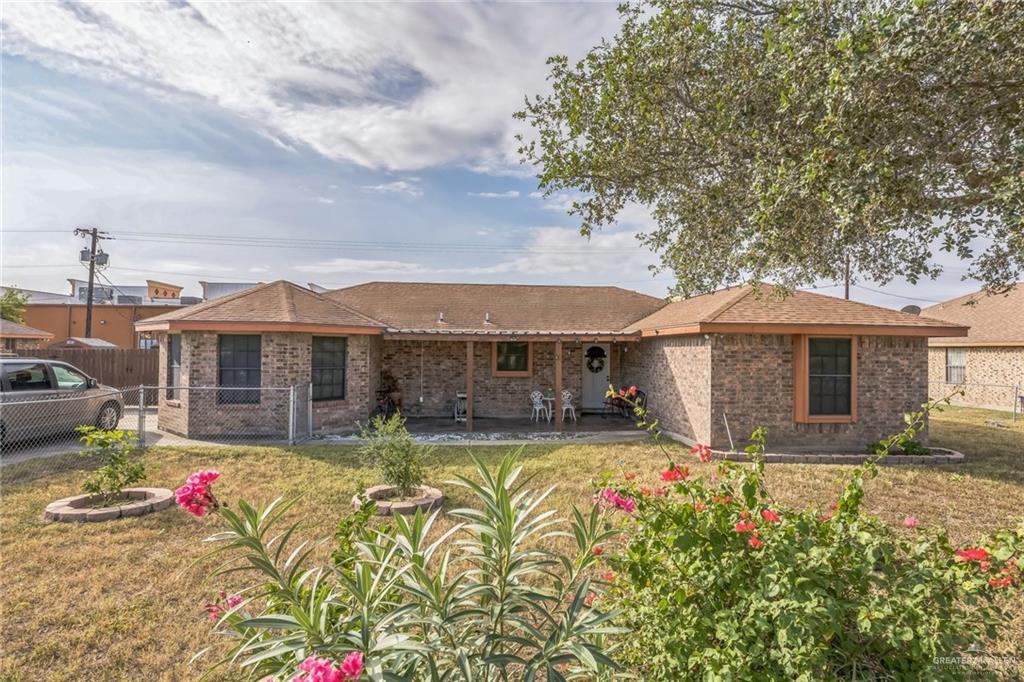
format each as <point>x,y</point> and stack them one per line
<point>95,236</point>
<point>846,279</point>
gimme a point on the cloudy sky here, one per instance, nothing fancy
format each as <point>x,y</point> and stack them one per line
<point>318,143</point>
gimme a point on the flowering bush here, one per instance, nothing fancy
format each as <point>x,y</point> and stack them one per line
<point>719,581</point>
<point>478,601</point>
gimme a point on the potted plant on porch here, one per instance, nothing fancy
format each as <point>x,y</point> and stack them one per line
<point>399,459</point>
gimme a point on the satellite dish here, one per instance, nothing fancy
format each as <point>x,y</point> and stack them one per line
<point>912,309</point>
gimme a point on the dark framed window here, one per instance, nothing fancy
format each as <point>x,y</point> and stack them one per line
<point>956,365</point>
<point>830,377</point>
<point>512,358</point>
<point>173,366</point>
<point>329,367</point>
<point>239,362</point>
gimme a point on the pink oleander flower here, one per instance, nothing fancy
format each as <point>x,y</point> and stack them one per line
<point>744,527</point>
<point>590,599</point>
<point>630,475</point>
<point>196,497</point>
<point>233,600</point>
<point>910,522</point>
<point>699,507</point>
<point>352,667</point>
<point>318,669</point>
<point>632,391</point>
<point>702,451</point>
<point>597,551</point>
<point>755,542</point>
<point>770,516</point>
<point>213,612</point>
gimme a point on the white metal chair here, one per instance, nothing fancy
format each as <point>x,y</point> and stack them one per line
<point>567,406</point>
<point>539,406</point>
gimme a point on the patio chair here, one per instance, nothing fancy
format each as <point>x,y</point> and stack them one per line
<point>539,406</point>
<point>460,407</point>
<point>567,406</point>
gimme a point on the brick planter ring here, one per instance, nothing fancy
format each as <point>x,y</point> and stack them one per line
<point>427,498</point>
<point>936,457</point>
<point>134,502</point>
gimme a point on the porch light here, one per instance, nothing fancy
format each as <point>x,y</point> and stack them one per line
<point>440,317</point>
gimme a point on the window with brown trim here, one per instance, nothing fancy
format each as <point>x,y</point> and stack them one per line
<point>511,359</point>
<point>825,379</point>
<point>956,365</point>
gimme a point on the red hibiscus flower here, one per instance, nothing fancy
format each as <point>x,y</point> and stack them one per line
<point>972,554</point>
<point>703,452</point>
<point>770,516</point>
<point>674,473</point>
<point>744,527</point>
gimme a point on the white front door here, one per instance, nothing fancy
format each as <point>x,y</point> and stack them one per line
<point>597,367</point>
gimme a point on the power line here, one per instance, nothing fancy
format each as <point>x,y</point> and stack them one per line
<point>886,293</point>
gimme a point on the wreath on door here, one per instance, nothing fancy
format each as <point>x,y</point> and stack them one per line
<point>595,359</point>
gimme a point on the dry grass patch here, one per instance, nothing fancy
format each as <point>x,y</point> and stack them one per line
<point>118,600</point>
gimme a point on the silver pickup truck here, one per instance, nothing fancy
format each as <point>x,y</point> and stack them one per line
<point>46,398</point>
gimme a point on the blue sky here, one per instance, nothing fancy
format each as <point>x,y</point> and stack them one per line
<point>372,141</point>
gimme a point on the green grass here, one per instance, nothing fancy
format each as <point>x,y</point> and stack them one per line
<point>120,600</point>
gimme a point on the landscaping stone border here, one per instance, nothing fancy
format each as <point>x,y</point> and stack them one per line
<point>427,498</point>
<point>137,501</point>
<point>939,456</point>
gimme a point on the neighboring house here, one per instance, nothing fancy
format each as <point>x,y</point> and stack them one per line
<point>83,342</point>
<point>989,362</point>
<point>215,290</point>
<point>818,372</point>
<point>18,337</point>
<point>36,296</point>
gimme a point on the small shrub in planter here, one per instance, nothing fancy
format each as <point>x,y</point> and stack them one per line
<point>478,601</point>
<point>719,581</point>
<point>391,448</point>
<point>122,468</point>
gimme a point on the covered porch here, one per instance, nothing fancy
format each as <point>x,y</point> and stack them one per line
<point>483,382</point>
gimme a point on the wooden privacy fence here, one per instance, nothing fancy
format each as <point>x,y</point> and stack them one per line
<point>117,367</point>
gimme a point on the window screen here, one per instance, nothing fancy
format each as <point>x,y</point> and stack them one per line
<point>513,356</point>
<point>239,367</point>
<point>328,367</point>
<point>830,376</point>
<point>173,366</point>
<point>956,365</point>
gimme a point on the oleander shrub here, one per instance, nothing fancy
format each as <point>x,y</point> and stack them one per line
<point>716,580</point>
<point>479,601</point>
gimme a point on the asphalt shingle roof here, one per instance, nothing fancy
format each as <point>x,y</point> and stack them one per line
<point>994,319</point>
<point>492,308</point>
<point>22,331</point>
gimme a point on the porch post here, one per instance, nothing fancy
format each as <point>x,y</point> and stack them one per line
<point>558,385</point>
<point>469,385</point>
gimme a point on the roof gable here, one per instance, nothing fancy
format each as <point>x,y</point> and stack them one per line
<point>276,303</point>
<point>15,330</point>
<point>766,307</point>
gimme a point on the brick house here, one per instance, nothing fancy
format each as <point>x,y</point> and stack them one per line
<point>989,362</point>
<point>18,337</point>
<point>817,371</point>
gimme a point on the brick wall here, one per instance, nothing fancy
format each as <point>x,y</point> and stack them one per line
<point>753,385</point>
<point>286,360</point>
<point>675,372</point>
<point>436,370</point>
<point>1000,367</point>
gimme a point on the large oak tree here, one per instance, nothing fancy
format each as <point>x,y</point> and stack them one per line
<point>774,139</point>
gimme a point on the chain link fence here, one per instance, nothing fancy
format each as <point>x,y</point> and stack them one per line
<point>1002,397</point>
<point>38,428</point>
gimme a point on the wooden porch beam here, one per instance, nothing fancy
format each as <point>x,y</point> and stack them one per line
<point>558,385</point>
<point>469,385</point>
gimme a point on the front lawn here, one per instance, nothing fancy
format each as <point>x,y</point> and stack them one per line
<point>120,600</point>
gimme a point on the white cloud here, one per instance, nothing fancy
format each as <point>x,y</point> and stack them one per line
<point>395,86</point>
<point>409,187</point>
<point>510,194</point>
<point>325,200</point>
